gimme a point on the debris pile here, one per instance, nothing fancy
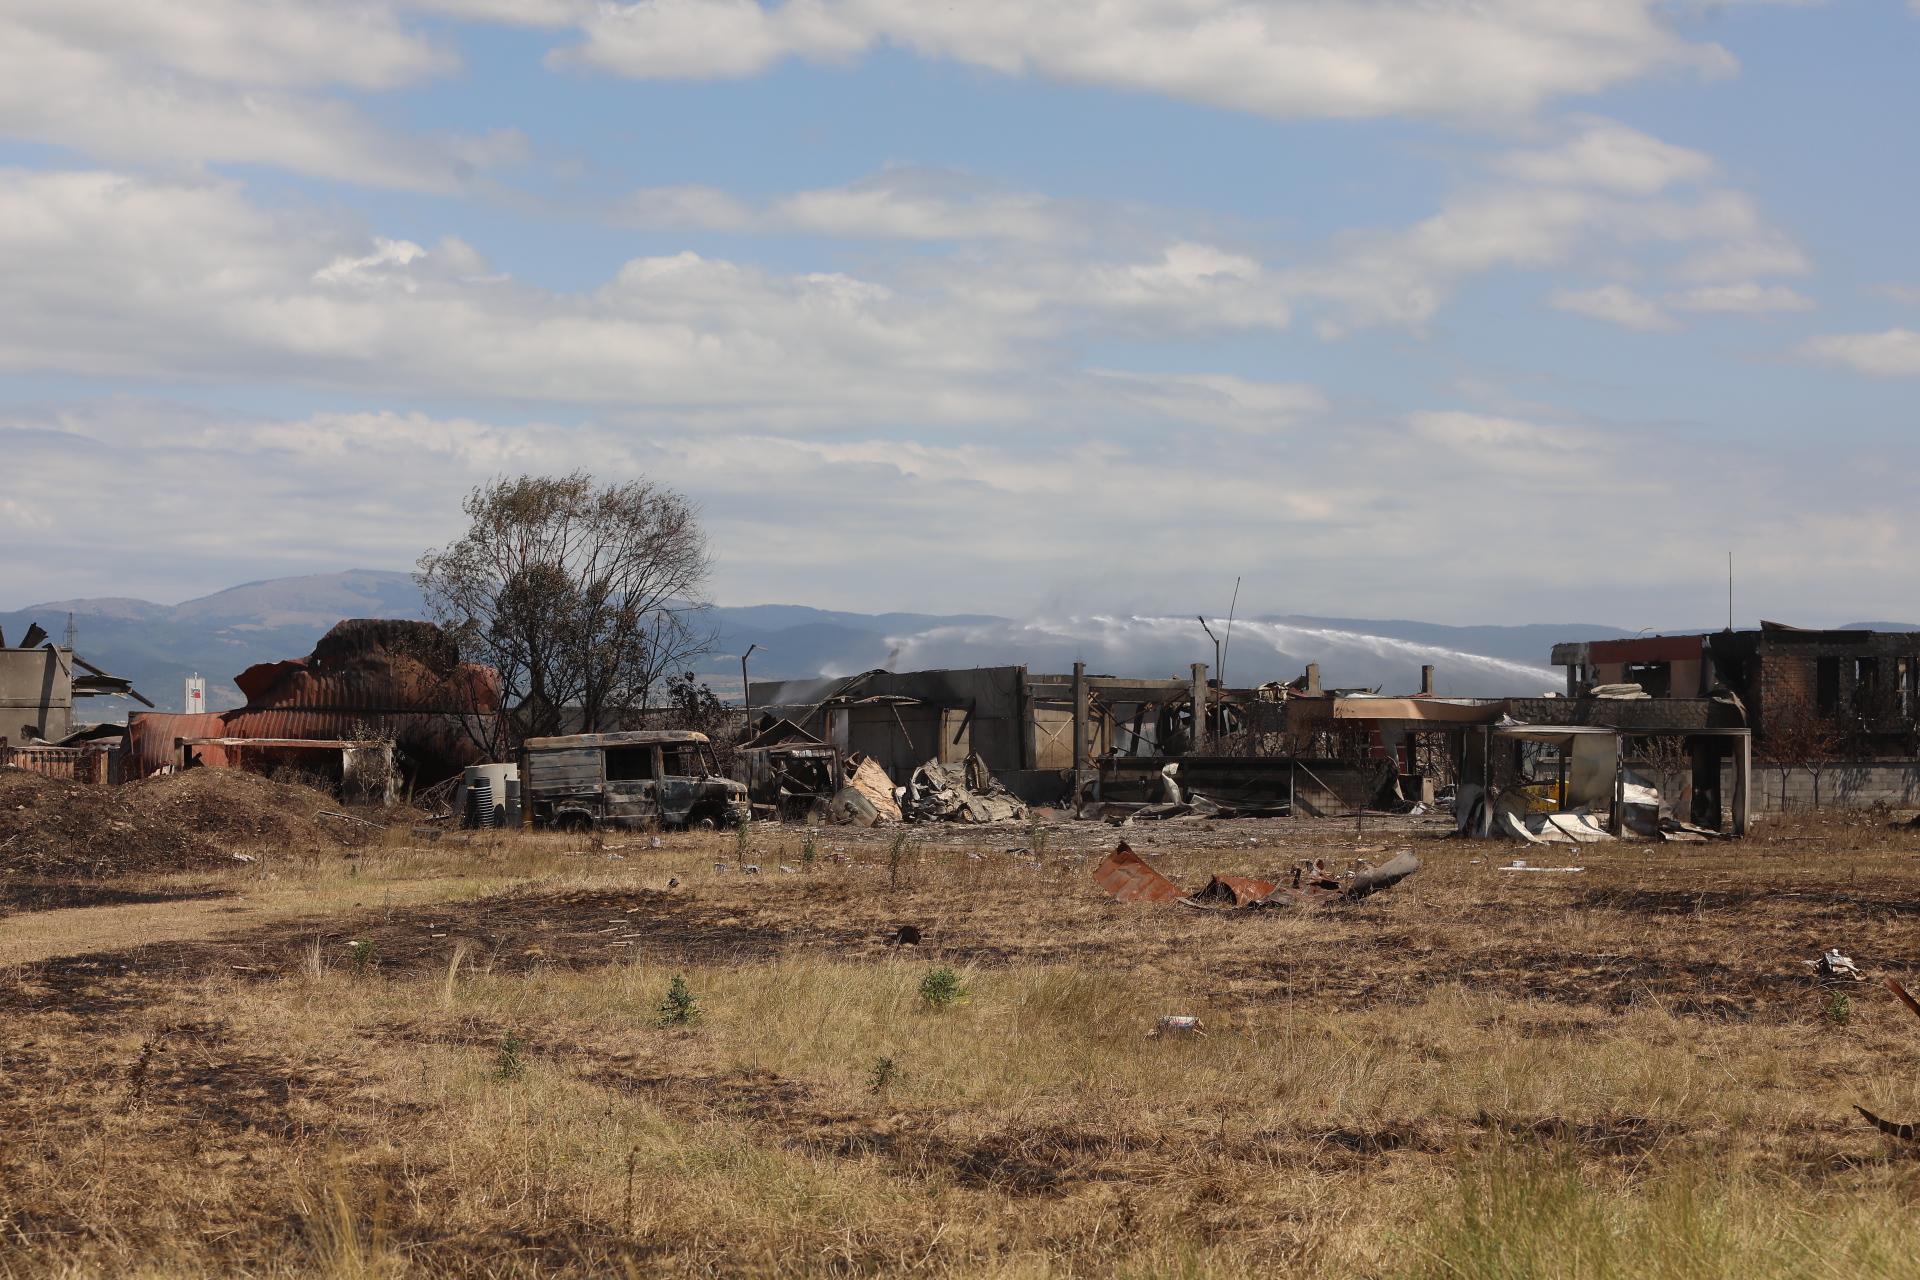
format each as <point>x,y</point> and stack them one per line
<point>962,792</point>
<point>965,791</point>
<point>867,798</point>
<point>1174,803</point>
<point>1126,875</point>
<point>1834,967</point>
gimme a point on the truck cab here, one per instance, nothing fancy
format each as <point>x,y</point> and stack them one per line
<point>626,781</point>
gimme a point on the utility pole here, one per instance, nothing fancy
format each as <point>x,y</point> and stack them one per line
<point>1216,641</point>
<point>1220,667</point>
<point>746,695</point>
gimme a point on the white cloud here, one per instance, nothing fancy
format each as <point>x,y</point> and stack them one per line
<point>171,81</point>
<point>1894,290</point>
<point>1741,299</point>
<point>894,204</point>
<point>1616,304</point>
<point>1575,212</point>
<point>1893,354</point>
<point>1614,157</point>
<point>1620,305</point>
<point>105,274</point>
<point>1128,518</point>
<point>1604,190</point>
<point>1490,433</point>
<point>1476,59</point>
<point>1222,400</point>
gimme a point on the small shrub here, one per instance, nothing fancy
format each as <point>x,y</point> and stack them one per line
<point>741,834</point>
<point>679,1008</point>
<point>1037,837</point>
<point>810,848</point>
<point>942,987</point>
<point>362,948</point>
<point>882,1076</point>
<point>1839,1009</point>
<point>896,858</point>
<point>511,1065</point>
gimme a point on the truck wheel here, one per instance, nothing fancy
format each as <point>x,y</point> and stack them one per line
<point>575,824</point>
<point>702,824</point>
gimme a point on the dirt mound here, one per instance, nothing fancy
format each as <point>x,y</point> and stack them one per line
<point>53,827</point>
<point>233,807</point>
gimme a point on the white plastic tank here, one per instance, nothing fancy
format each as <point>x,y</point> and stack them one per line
<point>488,796</point>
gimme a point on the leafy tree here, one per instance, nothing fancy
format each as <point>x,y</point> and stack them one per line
<point>580,595</point>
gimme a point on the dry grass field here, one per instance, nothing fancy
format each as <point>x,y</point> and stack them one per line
<point>450,1059</point>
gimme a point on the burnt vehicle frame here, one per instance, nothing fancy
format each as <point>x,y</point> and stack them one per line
<point>628,781</point>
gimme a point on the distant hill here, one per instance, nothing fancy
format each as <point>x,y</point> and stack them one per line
<point>219,635</point>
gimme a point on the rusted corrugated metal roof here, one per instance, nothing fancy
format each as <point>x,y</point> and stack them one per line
<point>388,677</point>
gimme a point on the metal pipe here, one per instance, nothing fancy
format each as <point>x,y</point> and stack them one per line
<point>1080,715</point>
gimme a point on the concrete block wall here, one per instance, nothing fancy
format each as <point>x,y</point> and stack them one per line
<point>1853,784</point>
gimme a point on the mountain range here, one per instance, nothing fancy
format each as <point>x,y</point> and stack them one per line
<point>220,635</point>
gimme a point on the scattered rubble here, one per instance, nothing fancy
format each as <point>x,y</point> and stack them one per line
<point>1833,965</point>
<point>1126,876</point>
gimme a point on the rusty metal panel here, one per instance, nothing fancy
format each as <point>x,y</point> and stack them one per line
<point>1235,891</point>
<point>92,765</point>
<point>1126,875</point>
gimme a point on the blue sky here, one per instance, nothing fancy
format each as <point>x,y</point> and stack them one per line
<point>1511,311</point>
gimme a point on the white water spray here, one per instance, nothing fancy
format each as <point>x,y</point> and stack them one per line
<point>1160,647</point>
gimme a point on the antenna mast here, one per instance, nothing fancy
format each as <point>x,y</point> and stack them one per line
<point>1225,648</point>
<point>1729,590</point>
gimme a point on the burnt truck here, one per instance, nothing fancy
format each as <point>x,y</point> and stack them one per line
<point>656,777</point>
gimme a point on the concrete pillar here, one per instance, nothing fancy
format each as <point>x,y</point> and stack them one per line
<point>1200,708</point>
<point>1426,680</point>
<point>1313,677</point>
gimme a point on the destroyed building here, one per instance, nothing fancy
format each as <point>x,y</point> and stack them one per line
<point>367,678</point>
<point>1834,710</point>
<point>1079,737</point>
<point>1032,731</point>
<point>39,682</point>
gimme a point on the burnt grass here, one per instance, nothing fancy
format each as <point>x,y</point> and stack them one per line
<point>1721,931</point>
<point>1713,932</point>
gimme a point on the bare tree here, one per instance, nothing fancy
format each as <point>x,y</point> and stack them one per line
<point>1798,737</point>
<point>581,596</point>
